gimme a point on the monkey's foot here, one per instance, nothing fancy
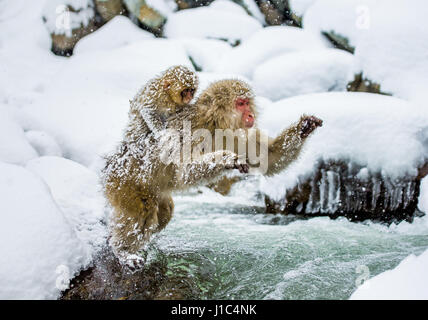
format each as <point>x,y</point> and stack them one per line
<point>308,124</point>
<point>133,262</point>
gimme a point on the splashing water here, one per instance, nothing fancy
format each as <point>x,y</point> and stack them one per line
<point>231,250</point>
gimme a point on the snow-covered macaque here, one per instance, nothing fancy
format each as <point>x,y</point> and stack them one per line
<point>138,183</point>
<point>229,104</point>
<point>163,96</point>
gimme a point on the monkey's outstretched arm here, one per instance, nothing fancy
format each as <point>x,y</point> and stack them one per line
<point>208,167</point>
<point>285,148</point>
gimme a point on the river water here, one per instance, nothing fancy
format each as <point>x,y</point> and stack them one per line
<point>229,249</point>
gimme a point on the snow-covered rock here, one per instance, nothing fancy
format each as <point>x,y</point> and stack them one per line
<point>212,22</point>
<point>377,135</point>
<point>303,72</point>
<point>77,192</point>
<point>40,252</point>
<point>63,16</point>
<point>118,32</point>
<point>348,19</point>
<point>408,281</point>
<point>205,52</point>
<point>14,147</point>
<point>265,44</point>
<point>43,143</point>
<point>387,53</point>
<point>395,54</point>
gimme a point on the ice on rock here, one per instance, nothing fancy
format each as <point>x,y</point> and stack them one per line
<point>118,32</point>
<point>265,44</point>
<point>303,72</point>
<point>40,252</point>
<point>211,22</point>
<point>423,197</point>
<point>77,192</point>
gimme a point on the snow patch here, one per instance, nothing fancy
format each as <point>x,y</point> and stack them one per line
<point>118,32</point>
<point>304,72</point>
<point>265,44</point>
<point>40,252</point>
<point>408,281</point>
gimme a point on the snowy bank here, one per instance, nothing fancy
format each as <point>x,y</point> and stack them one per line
<point>40,252</point>
<point>408,281</point>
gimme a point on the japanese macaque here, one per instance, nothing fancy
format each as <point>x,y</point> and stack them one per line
<point>229,104</point>
<point>138,182</point>
<point>162,96</point>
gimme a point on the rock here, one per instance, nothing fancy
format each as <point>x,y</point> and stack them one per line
<point>360,84</point>
<point>187,4</point>
<point>150,18</point>
<point>68,21</point>
<point>339,41</point>
<point>107,279</point>
<point>108,9</point>
<point>339,188</point>
<point>278,12</point>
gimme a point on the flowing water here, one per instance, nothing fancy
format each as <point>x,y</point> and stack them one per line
<point>232,250</point>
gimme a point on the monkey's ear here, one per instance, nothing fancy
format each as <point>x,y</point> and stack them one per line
<point>166,84</point>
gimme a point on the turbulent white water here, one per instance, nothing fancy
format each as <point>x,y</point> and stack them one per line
<point>234,251</point>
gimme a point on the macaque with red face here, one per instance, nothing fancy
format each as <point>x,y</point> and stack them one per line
<point>243,106</point>
<point>229,104</point>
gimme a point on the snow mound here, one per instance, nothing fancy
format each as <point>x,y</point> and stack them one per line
<point>408,281</point>
<point>265,44</point>
<point>44,144</point>
<point>212,22</point>
<point>299,7</point>
<point>118,32</point>
<point>303,72</point>
<point>348,18</point>
<point>205,52</point>
<point>85,107</point>
<point>14,147</point>
<point>40,251</point>
<point>77,192</point>
<point>395,54</point>
<point>378,132</point>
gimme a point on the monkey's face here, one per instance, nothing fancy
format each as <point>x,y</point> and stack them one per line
<point>181,95</point>
<point>187,95</point>
<point>243,107</point>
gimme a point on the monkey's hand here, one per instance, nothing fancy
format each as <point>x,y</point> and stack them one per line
<point>233,162</point>
<point>308,124</point>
